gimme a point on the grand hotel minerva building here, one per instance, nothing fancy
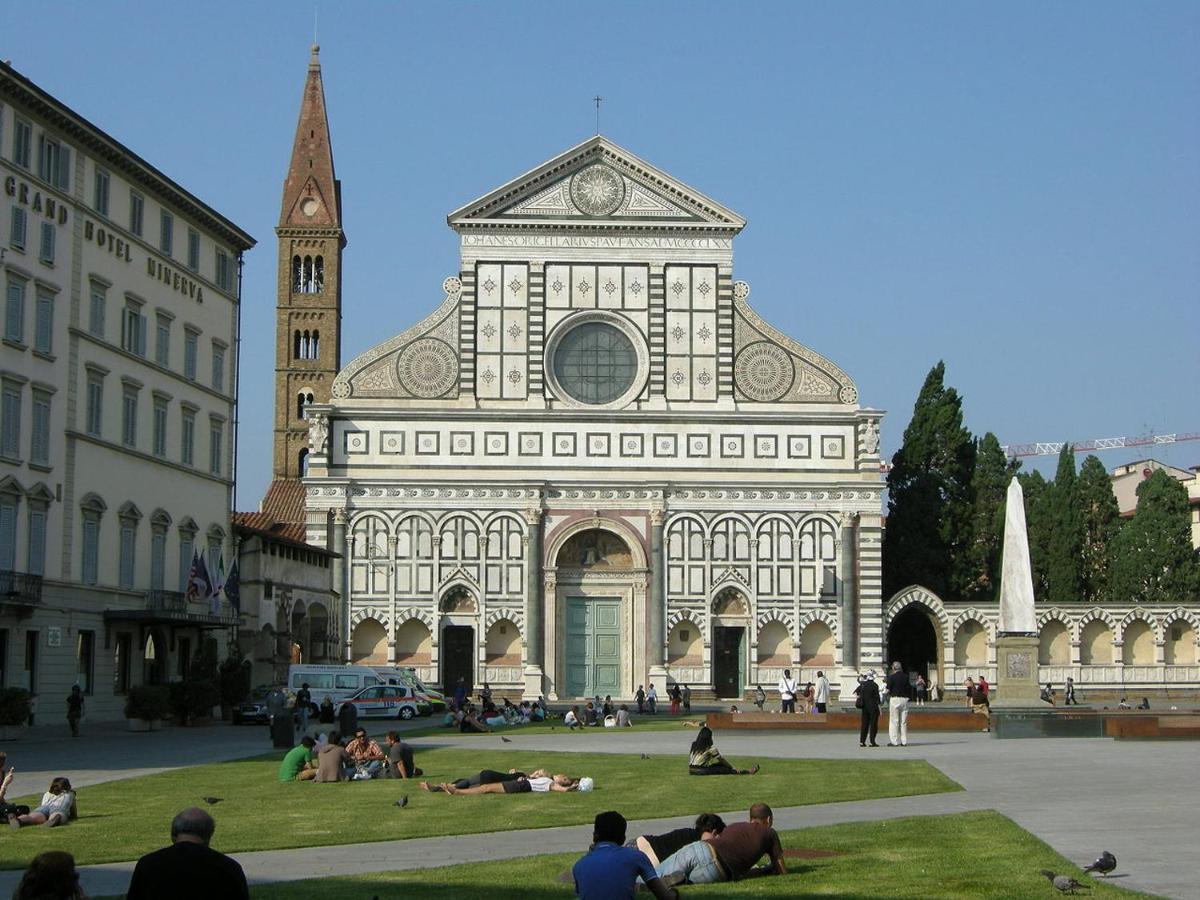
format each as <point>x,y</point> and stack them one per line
<point>593,465</point>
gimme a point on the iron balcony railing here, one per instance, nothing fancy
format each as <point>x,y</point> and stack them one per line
<point>20,588</point>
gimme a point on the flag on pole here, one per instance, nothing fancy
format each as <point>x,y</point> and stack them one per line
<point>233,590</point>
<point>199,584</point>
<point>218,584</point>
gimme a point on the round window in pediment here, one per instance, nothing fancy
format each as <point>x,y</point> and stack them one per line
<point>595,363</point>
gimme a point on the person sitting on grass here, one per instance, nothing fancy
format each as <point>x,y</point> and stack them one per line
<point>705,759</point>
<point>298,763</point>
<point>400,763</point>
<point>58,807</point>
<point>51,876</point>
<point>623,717</point>
<point>571,719</point>
<point>658,847</point>
<point>470,724</point>
<point>730,855</point>
<point>333,762</point>
<point>367,755</point>
<point>610,871</point>
<point>533,783</point>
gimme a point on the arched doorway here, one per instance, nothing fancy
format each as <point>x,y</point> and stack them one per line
<point>731,618</point>
<point>154,658</point>
<point>457,649</point>
<point>913,640</point>
<point>596,569</point>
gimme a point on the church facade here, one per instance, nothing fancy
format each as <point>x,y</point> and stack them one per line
<point>593,465</point>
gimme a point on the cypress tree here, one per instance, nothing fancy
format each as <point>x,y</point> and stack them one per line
<point>989,485</point>
<point>1153,558</point>
<point>1100,521</point>
<point>1064,568</point>
<point>1037,527</point>
<point>929,509</point>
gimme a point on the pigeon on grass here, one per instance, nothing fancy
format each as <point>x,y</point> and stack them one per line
<point>402,802</point>
<point>1064,884</point>
<point>1104,864</point>
<point>212,801</point>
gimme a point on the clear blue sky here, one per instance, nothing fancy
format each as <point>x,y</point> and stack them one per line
<point>1011,187</point>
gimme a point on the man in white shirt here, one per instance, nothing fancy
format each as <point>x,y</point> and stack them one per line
<point>821,700</point>
<point>787,692</point>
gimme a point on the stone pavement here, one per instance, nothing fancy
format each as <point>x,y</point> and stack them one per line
<point>1079,795</point>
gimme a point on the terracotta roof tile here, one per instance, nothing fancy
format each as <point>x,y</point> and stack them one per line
<point>280,513</point>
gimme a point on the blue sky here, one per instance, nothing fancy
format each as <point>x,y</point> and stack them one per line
<point>1012,188</point>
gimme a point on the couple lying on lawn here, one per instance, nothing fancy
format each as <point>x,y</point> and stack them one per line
<point>488,781</point>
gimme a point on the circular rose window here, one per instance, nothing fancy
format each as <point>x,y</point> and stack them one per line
<point>595,363</point>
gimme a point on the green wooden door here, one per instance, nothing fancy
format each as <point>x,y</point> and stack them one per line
<point>593,646</point>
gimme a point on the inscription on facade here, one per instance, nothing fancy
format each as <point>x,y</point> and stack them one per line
<point>615,242</point>
<point>47,206</point>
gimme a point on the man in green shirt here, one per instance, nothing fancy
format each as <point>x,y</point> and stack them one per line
<point>297,765</point>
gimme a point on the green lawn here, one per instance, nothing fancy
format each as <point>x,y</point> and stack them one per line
<point>916,858</point>
<point>121,820</point>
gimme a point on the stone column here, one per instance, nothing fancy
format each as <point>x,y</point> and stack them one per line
<point>656,598</point>
<point>848,606</point>
<point>535,628</point>
<point>339,567</point>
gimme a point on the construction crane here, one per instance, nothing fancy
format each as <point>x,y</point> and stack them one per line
<point>1052,448</point>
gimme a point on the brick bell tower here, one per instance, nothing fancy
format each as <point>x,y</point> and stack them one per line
<point>308,341</point>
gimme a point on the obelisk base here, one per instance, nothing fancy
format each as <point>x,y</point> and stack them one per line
<point>1016,672</point>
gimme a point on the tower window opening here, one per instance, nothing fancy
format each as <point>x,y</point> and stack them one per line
<point>297,346</point>
<point>318,283</point>
<point>297,280</point>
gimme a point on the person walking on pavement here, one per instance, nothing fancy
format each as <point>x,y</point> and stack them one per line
<point>676,698</point>
<point>74,709</point>
<point>821,700</point>
<point>868,702</point>
<point>787,692</point>
<point>1069,693</point>
<point>760,697</point>
<point>303,706</point>
<point>640,697</point>
<point>652,700</point>
<point>687,700</point>
<point>898,696</point>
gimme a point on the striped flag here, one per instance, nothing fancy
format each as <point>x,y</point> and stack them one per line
<point>199,584</point>
<point>218,584</point>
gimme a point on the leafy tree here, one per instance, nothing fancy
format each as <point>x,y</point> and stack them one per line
<point>1064,545</point>
<point>929,496</point>
<point>1153,559</point>
<point>1037,526</point>
<point>989,485</point>
<point>1100,522</point>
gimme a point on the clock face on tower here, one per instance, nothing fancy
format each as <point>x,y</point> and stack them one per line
<point>310,206</point>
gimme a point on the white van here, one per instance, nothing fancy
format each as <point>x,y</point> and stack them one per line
<point>335,682</point>
<point>407,675</point>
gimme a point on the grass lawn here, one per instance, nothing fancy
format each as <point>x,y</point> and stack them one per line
<point>918,858</point>
<point>121,820</point>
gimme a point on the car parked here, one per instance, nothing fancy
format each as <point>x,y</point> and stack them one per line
<point>390,701</point>
<point>253,710</point>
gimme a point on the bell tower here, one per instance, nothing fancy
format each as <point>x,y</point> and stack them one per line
<point>308,346</point>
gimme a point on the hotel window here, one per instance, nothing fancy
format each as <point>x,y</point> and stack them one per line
<point>85,660</point>
<point>121,663</point>
<point>191,342</point>
<point>14,310</point>
<point>224,272</point>
<point>16,235</point>
<point>160,425</point>
<point>95,402</point>
<point>97,305</point>
<point>133,328</point>
<point>166,232</point>
<point>100,192</point>
<point>216,432</point>
<point>162,339</point>
<point>22,142</point>
<point>187,438</point>
<point>36,552</point>
<point>129,405</point>
<point>218,366</point>
<point>54,162</point>
<point>10,409</point>
<point>39,439</point>
<point>43,321</point>
<point>128,551</point>
<point>193,259</point>
<point>90,571</point>
<point>8,531</point>
<point>158,555</point>
<point>46,246</point>
<point>137,207</point>
<point>187,548</point>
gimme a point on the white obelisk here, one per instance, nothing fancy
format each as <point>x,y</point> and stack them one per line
<point>1016,575</point>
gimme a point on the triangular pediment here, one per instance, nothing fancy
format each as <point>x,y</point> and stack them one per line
<point>310,206</point>
<point>597,185</point>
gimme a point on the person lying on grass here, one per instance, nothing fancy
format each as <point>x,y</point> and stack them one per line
<point>485,776</point>
<point>57,807</point>
<point>658,847</point>
<point>705,759</point>
<point>728,856</point>
<point>536,784</point>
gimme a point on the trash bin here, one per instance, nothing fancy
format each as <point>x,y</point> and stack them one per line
<point>283,726</point>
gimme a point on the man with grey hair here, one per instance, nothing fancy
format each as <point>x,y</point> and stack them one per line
<point>899,691</point>
<point>188,869</point>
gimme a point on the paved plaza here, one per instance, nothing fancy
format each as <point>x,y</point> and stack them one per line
<point>1079,795</point>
